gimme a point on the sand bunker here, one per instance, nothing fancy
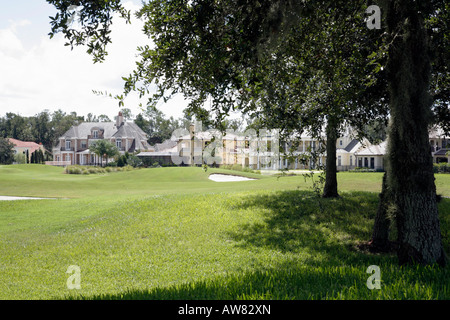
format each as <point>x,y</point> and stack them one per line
<point>8,198</point>
<point>227,178</point>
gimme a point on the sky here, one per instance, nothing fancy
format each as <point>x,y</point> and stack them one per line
<point>38,73</point>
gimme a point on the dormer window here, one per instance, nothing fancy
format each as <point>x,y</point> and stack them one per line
<point>95,134</point>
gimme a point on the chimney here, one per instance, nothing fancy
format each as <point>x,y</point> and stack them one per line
<point>119,120</point>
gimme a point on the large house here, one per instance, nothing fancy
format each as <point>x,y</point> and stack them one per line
<point>194,147</point>
<point>73,146</point>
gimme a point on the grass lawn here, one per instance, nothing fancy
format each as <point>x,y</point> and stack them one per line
<point>171,233</point>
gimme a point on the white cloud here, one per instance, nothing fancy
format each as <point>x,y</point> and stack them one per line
<point>49,75</point>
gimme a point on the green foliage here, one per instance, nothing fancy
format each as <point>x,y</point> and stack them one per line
<point>441,167</point>
<point>20,158</point>
<point>134,161</point>
<point>238,167</point>
<point>6,151</point>
<point>76,169</point>
<point>120,161</point>
<point>87,13</point>
<point>104,149</point>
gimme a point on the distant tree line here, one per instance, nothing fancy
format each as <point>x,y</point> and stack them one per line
<point>44,127</point>
<point>47,127</point>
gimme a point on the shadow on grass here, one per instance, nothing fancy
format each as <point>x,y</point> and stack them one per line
<point>297,221</point>
<point>326,231</point>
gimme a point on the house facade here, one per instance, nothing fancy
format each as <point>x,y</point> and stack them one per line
<point>439,145</point>
<point>26,147</point>
<point>73,146</point>
<point>264,152</point>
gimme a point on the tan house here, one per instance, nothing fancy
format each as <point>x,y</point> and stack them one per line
<point>195,147</point>
<point>26,147</point>
<point>73,146</point>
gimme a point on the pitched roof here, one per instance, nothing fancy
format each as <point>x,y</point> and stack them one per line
<point>110,130</point>
<point>25,144</point>
<point>165,145</point>
<point>373,150</point>
<point>352,146</point>
<point>442,152</point>
<point>84,129</point>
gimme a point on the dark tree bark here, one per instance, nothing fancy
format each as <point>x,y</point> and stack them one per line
<point>410,171</point>
<point>330,187</point>
<point>380,235</point>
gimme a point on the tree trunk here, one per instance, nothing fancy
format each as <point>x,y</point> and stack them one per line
<point>380,234</point>
<point>410,169</point>
<point>330,188</point>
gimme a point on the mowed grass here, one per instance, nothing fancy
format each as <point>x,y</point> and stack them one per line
<point>171,233</point>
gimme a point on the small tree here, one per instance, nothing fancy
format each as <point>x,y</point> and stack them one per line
<point>19,158</point>
<point>6,151</point>
<point>104,149</point>
<point>120,162</point>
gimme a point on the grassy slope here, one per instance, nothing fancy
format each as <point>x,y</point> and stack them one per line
<point>171,233</point>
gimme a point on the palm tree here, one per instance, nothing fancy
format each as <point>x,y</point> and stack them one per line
<point>104,149</point>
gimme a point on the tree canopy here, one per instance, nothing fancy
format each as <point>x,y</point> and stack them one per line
<point>302,64</point>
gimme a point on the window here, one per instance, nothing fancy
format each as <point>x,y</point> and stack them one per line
<point>339,160</point>
<point>83,144</point>
<point>95,134</point>
<point>351,160</point>
<point>340,142</point>
<point>119,143</point>
<point>68,144</point>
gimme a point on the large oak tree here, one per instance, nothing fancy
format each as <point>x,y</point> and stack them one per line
<point>206,49</point>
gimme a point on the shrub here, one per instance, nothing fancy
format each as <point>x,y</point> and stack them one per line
<point>442,167</point>
<point>95,170</point>
<point>238,167</point>
<point>134,161</point>
<point>20,158</point>
<point>76,170</point>
<point>120,162</point>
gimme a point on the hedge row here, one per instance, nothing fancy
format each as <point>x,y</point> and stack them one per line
<point>442,167</point>
<point>94,170</point>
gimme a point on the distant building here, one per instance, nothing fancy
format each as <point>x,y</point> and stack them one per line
<point>192,148</point>
<point>73,146</point>
<point>439,145</point>
<point>26,147</point>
